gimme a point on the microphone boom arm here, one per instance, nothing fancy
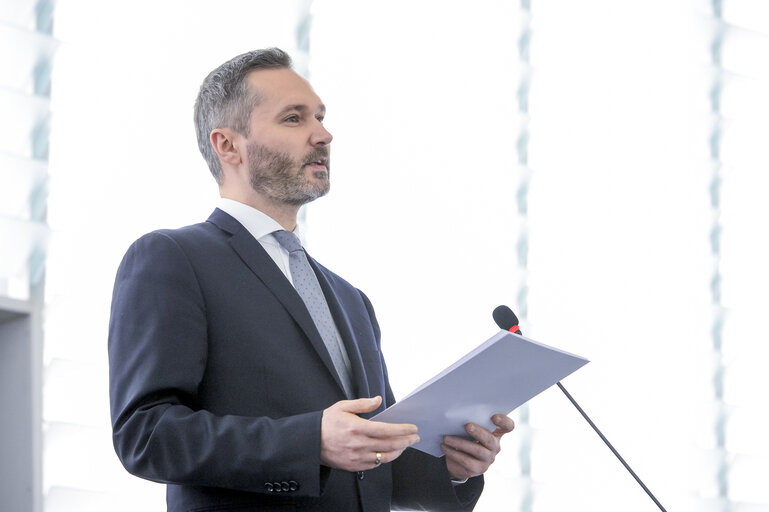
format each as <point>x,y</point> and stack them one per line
<point>613,450</point>
<point>506,320</point>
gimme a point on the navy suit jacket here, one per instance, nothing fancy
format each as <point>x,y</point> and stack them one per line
<point>218,380</point>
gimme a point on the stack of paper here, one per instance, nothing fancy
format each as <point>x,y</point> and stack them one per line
<point>498,376</point>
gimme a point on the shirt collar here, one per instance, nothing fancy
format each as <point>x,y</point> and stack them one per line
<point>258,223</point>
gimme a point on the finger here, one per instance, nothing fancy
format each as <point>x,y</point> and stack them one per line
<point>387,456</point>
<point>476,450</point>
<point>463,465</point>
<point>359,405</point>
<point>388,453</point>
<point>378,429</point>
<point>361,460</point>
<point>504,424</point>
<point>482,436</point>
<point>394,444</point>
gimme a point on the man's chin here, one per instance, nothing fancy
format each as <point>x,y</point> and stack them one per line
<point>320,183</point>
<point>320,192</point>
<point>308,196</point>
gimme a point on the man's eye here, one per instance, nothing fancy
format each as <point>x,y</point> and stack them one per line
<point>292,119</point>
<point>320,119</point>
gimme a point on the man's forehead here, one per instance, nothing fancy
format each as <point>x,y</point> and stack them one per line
<point>279,89</point>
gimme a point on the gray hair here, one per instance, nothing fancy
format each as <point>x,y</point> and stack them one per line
<point>224,100</point>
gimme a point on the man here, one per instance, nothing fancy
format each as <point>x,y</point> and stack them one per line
<point>242,372</point>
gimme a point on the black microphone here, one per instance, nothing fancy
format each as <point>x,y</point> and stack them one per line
<point>507,321</point>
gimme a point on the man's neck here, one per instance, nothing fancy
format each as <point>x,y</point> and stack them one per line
<point>284,214</point>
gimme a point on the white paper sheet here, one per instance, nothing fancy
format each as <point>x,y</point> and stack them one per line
<point>499,375</point>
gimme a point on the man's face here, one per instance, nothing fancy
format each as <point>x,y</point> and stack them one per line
<point>287,147</point>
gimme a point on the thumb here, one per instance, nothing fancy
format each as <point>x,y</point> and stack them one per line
<point>360,405</point>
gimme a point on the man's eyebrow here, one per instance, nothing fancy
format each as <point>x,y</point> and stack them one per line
<point>300,108</point>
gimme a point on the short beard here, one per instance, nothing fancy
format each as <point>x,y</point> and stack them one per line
<point>280,178</point>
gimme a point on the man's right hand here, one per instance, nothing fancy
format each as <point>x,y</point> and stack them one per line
<point>349,442</point>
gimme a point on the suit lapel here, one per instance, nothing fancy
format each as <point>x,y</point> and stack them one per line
<point>261,264</point>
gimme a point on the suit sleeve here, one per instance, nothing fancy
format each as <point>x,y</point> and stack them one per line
<point>158,348</point>
<point>421,481</point>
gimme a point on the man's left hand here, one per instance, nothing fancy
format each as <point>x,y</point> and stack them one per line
<point>466,458</point>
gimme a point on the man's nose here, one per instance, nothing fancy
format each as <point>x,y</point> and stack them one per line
<point>321,136</point>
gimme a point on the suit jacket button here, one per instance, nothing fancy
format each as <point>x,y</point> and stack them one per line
<point>293,486</point>
<point>284,486</point>
<point>361,475</point>
<point>277,487</point>
<point>268,486</point>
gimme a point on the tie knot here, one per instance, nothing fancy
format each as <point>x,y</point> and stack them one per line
<point>288,240</point>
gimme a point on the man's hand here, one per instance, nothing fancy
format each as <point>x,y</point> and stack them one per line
<point>351,443</point>
<point>467,458</point>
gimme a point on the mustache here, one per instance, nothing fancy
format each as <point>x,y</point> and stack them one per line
<point>316,154</point>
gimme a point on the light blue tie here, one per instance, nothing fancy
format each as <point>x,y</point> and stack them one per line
<point>306,283</point>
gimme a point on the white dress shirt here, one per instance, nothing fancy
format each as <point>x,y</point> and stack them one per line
<point>261,227</point>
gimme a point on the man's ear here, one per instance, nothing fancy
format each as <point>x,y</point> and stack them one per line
<point>224,143</point>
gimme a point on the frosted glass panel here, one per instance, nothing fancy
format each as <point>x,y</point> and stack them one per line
<point>23,116</point>
<point>744,98</point>
<point>81,458</point>
<point>24,243</point>
<point>64,379</point>
<point>745,53</point>
<point>748,14</point>
<point>21,52</point>
<point>22,181</point>
<point>25,63</point>
<point>19,12</point>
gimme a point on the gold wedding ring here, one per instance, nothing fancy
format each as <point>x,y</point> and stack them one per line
<point>378,458</point>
